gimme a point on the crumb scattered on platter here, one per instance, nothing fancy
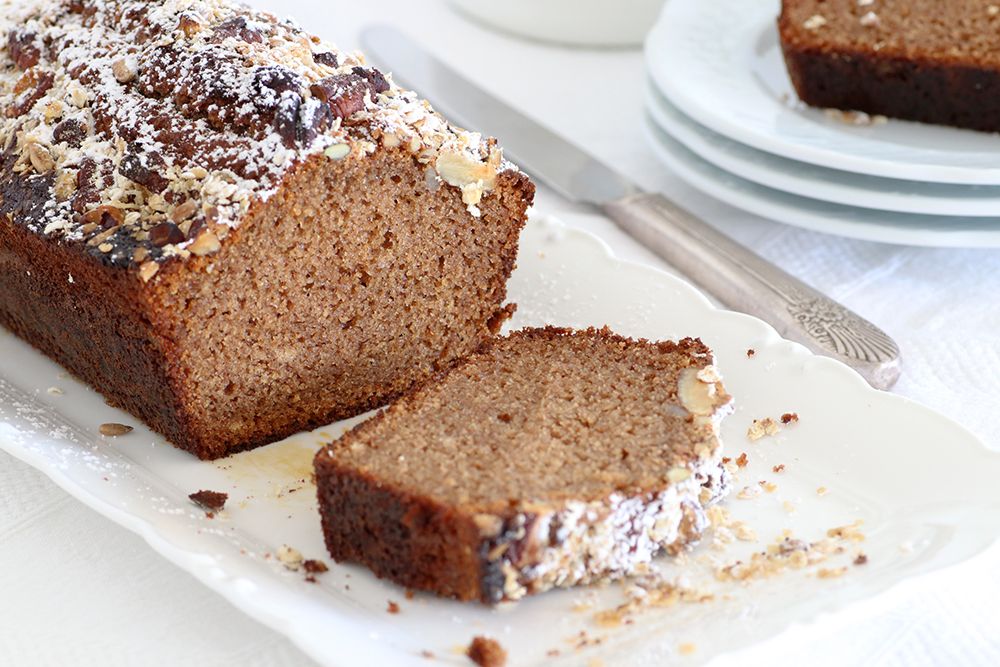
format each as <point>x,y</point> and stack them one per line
<point>210,501</point>
<point>113,429</point>
<point>486,652</point>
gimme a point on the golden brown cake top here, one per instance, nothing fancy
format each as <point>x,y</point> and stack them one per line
<point>145,130</point>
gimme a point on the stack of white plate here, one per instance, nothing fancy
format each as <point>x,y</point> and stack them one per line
<point>723,115</point>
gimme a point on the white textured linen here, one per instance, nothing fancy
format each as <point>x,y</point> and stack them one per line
<point>77,589</point>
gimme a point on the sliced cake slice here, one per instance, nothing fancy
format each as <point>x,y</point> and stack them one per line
<point>923,60</point>
<point>549,458</point>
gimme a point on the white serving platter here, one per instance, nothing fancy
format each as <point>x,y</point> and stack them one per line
<point>922,485</point>
<point>720,63</point>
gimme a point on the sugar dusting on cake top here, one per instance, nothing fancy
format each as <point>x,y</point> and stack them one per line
<point>146,130</point>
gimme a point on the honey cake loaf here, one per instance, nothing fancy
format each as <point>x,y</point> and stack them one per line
<point>229,227</point>
<point>549,458</point>
<point>923,60</point>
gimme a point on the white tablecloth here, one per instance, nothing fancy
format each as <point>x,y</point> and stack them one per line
<point>77,589</point>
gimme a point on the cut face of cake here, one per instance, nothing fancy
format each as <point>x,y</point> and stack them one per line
<point>924,60</point>
<point>232,229</point>
<point>549,458</point>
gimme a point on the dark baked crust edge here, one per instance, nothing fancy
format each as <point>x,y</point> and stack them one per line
<point>941,92</point>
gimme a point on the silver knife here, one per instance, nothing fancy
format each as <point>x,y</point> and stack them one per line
<point>736,276</point>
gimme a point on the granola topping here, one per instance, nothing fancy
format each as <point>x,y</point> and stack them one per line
<point>119,116</point>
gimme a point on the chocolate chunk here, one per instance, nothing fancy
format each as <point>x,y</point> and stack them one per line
<point>277,78</point>
<point>346,93</point>
<point>165,233</point>
<point>269,83</point>
<point>239,28</point>
<point>22,48</point>
<point>71,132</point>
<point>375,78</point>
<point>286,117</point>
<point>30,88</point>
<point>144,167</point>
<point>326,58</point>
<point>314,118</point>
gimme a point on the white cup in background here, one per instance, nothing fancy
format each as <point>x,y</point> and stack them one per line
<point>576,22</point>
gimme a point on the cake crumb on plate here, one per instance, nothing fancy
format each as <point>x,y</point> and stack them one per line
<point>486,652</point>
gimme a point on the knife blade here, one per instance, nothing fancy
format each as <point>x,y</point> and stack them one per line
<point>738,277</point>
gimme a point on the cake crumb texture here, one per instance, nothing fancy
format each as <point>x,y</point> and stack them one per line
<point>486,652</point>
<point>549,458</point>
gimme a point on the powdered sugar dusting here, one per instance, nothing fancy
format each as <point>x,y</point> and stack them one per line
<point>134,128</point>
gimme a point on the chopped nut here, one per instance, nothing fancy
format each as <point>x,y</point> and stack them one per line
<point>41,158</point>
<point>55,391</point>
<point>189,25</point>
<point>678,474</point>
<point>850,532</point>
<point>114,429</point>
<point>123,70</point>
<point>489,525</point>
<point>473,176</point>
<point>392,607</point>
<point>289,557</point>
<point>337,151</point>
<point>780,468</point>
<point>742,460</point>
<point>184,211</point>
<point>697,397</point>
<point>822,491</point>
<point>165,233</point>
<point>105,247</point>
<point>709,374</point>
<point>861,559</point>
<point>743,532</point>
<point>751,352</point>
<point>65,185</point>
<point>762,427</point>
<point>749,492</point>
<point>687,649</point>
<point>206,244</point>
<point>833,573</point>
<point>769,487</point>
<point>147,270</point>
<point>105,216</point>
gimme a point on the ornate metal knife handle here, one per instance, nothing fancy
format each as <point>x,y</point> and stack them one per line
<point>746,282</point>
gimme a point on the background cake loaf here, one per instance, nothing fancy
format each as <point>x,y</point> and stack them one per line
<point>549,458</point>
<point>229,227</point>
<point>924,60</point>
